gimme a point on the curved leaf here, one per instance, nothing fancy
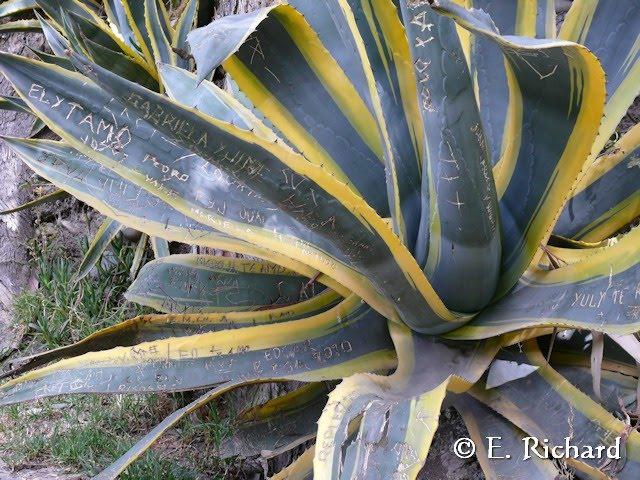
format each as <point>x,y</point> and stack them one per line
<point>393,439</point>
<point>279,425</point>
<point>278,61</point>
<point>373,30</point>
<point>399,412</point>
<point>598,293</point>
<point>499,104</point>
<point>459,229</point>
<point>552,79</point>
<point>607,198</point>
<point>611,30</point>
<point>563,412</point>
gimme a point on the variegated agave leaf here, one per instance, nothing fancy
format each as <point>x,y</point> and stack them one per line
<point>394,169</point>
<point>279,425</point>
<point>606,198</point>
<point>569,413</point>
<point>399,413</point>
<point>311,232</point>
<point>329,345</point>
<point>148,328</point>
<point>207,283</point>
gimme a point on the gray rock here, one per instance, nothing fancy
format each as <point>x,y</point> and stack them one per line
<point>17,228</point>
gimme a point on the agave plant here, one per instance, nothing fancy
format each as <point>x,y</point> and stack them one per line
<point>127,37</point>
<point>393,173</point>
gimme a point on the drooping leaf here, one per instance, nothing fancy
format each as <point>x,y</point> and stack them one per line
<point>278,60</point>
<point>630,344</point>
<point>16,6</point>
<point>207,283</point>
<point>277,426</point>
<point>574,352</point>
<point>20,26</point>
<point>105,234</point>
<point>108,193</point>
<point>617,387</point>
<point>131,205</point>
<point>611,30</point>
<point>115,469</point>
<point>607,198</point>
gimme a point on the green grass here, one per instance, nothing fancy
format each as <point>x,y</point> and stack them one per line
<point>61,310</point>
<point>87,433</point>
